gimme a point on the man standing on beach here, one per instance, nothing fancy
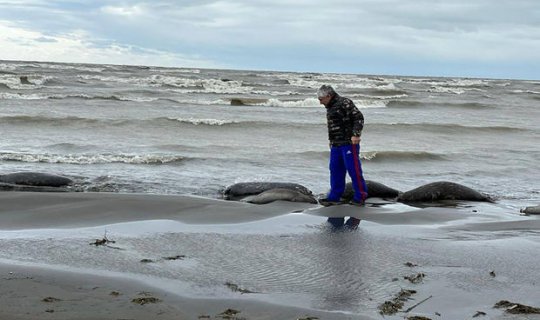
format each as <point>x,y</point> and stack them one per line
<point>345,124</point>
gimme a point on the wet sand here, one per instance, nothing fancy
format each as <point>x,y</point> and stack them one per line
<point>200,257</point>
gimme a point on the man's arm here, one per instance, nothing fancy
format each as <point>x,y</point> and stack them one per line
<point>357,122</point>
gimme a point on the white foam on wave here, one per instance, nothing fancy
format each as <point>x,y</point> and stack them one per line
<point>382,97</point>
<point>37,96</point>
<point>70,67</point>
<point>210,122</point>
<point>14,81</point>
<point>439,89</point>
<point>468,83</point>
<point>194,85</point>
<point>368,104</point>
<point>199,101</point>
<point>90,158</point>
<point>525,91</point>
<point>111,97</point>
<point>314,103</point>
<point>309,102</point>
<point>7,67</point>
<point>299,82</point>
<point>20,96</point>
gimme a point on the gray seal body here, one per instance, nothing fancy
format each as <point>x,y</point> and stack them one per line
<point>240,190</point>
<point>35,179</point>
<point>280,194</point>
<point>442,190</point>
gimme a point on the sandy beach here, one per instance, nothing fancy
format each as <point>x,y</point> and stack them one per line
<point>140,256</point>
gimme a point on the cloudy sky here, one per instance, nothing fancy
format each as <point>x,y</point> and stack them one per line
<point>471,38</point>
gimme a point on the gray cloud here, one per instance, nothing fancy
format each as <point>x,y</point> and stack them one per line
<point>276,34</point>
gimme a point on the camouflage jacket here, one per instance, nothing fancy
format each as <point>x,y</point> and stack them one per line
<point>344,121</point>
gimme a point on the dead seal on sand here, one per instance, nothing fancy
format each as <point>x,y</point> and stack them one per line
<point>280,194</point>
<point>240,190</point>
<point>375,189</point>
<point>442,190</point>
<point>531,210</point>
<point>35,179</point>
<point>20,187</point>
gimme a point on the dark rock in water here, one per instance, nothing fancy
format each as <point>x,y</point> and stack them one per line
<point>24,80</point>
<point>35,179</point>
<point>246,101</point>
<point>243,189</point>
<point>281,81</point>
<point>531,210</point>
<point>374,189</point>
<point>280,194</point>
<point>442,190</point>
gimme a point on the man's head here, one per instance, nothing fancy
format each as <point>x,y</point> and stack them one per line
<point>325,94</point>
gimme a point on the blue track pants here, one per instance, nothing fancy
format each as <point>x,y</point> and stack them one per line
<point>343,160</point>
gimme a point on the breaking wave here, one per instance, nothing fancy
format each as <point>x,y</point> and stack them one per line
<point>82,159</point>
<point>162,122</point>
<point>39,96</point>
<point>305,103</point>
<point>382,156</point>
<point>387,156</point>
<point>416,104</point>
<point>167,81</point>
<point>31,82</point>
<point>208,122</point>
<point>45,120</point>
<point>99,97</point>
<point>441,128</point>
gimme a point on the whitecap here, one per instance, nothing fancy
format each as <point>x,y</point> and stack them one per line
<point>210,122</point>
<point>90,158</point>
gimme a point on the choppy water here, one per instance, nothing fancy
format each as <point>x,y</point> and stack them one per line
<point>176,131</point>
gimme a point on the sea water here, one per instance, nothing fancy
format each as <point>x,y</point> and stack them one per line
<point>196,131</point>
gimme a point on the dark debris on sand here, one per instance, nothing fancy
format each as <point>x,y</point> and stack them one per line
<point>230,314</point>
<point>418,318</point>
<point>171,258</point>
<point>105,242</point>
<point>236,288</point>
<point>50,299</point>
<point>177,257</point>
<point>410,264</point>
<point>516,308</point>
<point>479,313</point>
<point>146,298</point>
<point>393,306</point>
<point>415,278</point>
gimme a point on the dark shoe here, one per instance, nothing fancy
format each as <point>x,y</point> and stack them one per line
<point>325,202</point>
<point>352,223</point>
<point>336,222</point>
<point>357,203</point>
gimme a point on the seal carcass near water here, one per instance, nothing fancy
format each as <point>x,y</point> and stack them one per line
<point>442,190</point>
<point>36,179</point>
<point>280,194</point>
<point>374,189</point>
<point>241,190</point>
<point>531,210</point>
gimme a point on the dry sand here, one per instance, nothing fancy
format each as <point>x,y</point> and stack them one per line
<point>464,259</point>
